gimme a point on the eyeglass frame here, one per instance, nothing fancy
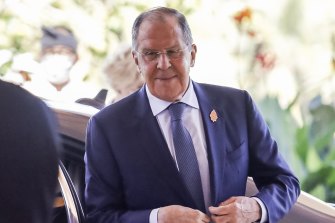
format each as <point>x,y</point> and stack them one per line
<point>157,54</point>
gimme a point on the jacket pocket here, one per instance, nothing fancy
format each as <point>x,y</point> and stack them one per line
<point>236,152</point>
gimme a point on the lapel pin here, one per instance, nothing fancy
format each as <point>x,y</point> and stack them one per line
<point>213,115</point>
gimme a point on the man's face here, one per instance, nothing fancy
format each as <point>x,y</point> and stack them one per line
<point>166,74</point>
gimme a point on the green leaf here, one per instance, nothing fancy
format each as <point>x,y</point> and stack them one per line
<point>302,143</point>
<point>313,161</point>
<point>283,128</point>
<point>315,178</point>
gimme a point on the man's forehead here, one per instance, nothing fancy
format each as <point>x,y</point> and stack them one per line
<point>155,20</point>
<point>159,31</point>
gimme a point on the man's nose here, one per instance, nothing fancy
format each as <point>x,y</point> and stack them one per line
<point>163,62</point>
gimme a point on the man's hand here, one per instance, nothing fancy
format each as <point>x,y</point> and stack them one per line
<point>181,214</point>
<point>236,210</point>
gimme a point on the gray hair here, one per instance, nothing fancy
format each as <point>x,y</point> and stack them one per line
<point>160,13</point>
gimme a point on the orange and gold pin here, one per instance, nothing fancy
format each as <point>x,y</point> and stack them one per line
<point>213,115</point>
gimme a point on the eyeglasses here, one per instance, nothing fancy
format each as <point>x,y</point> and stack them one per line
<point>171,54</point>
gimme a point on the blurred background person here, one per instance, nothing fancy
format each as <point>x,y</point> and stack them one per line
<point>58,55</point>
<point>56,75</point>
<point>29,155</point>
<point>122,74</point>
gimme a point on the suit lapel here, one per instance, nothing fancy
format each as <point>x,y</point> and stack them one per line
<point>155,146</point>
<point>215,134</point>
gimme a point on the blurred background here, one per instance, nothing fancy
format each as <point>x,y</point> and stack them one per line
<point>282,52</point>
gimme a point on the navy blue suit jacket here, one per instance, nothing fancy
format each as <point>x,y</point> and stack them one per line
<point>130,171</point>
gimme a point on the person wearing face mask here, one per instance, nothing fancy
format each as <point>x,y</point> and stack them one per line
<point>58,76</point>
<point>59,55</point>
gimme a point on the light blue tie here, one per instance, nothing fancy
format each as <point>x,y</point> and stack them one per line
<point>185,154</point>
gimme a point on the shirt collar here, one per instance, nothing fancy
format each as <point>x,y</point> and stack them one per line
<point>157,105</point>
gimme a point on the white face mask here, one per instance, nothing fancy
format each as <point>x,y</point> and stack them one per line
<point>57,68</point>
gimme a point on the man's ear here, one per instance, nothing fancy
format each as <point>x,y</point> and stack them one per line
<point>193,54</point>
<point>135,57</point>
<point>192,63</point>
<point>139,69</point>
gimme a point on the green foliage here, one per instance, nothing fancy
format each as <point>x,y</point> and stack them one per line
<point>5,67</point>
<point>282,127</point>
<point>322,168</point>
<point>313,156</point>
<point>302,143</point>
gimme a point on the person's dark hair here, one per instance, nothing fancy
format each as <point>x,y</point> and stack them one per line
<point>160,13</point>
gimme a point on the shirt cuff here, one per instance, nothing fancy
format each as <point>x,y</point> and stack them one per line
<point>264,213</point>
<point>153,218</point>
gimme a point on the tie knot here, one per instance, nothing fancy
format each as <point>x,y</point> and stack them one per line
<point>176,110</point>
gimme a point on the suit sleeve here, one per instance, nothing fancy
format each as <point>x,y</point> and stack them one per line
<point>104,197</point>
<point>278,187</point>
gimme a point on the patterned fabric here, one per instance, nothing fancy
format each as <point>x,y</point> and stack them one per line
<point>185,153</point>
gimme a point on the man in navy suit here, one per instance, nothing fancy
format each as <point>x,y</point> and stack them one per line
<point>132,173</point>
<point>29,147</point>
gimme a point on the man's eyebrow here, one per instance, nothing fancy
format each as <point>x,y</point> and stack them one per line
<point>155,50</point>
